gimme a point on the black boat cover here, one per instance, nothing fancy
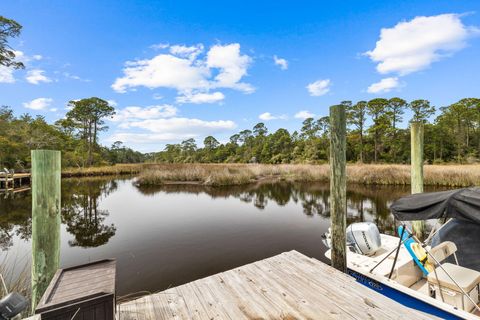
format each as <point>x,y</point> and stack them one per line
<point>466,236</point>
<point>462,204</point>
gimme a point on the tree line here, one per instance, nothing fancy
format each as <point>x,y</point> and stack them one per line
<point>76,136</point>
<point>374,135</point>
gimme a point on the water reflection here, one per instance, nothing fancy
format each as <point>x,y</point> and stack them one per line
<point>15,219</point>
<point>81,213</point>
<point>169,235</point>
<point>364,203</point>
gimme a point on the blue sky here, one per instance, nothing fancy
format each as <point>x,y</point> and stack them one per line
<point>176,70</point>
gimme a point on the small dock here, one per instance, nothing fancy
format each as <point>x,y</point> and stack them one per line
<point>14,182</point>
<point>287,286</point>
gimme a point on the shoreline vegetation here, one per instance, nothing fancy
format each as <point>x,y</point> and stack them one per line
<point>240,174</point>
<point>115,170</point>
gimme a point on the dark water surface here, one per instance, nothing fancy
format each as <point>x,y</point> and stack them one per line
<point>170,235</point>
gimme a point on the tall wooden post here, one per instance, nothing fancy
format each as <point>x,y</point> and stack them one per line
<point>416,133</point>
<point>46,166</point>
<point>338,186</point>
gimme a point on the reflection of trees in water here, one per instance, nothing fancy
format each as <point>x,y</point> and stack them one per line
<point>81,213</point>
<point>364,203</point>
<point>15,218</point>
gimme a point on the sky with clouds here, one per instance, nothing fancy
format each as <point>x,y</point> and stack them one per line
<point>178,70</point>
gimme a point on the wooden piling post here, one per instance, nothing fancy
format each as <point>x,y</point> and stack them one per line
<point>45,180</point>
<point>416,141</point>
<point>338,186</point>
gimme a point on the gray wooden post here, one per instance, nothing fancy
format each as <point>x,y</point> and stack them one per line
<point>46,166</point>
<point>338,186</point>
<point>416,133</point>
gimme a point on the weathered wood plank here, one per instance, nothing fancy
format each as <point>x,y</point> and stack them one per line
<point>416,146</point>
<point>286,286</point>
<point>46,186</point>
<point>338,186</point>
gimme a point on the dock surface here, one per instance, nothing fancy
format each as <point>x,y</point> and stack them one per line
<point>13,182</point>
<point>287,286</point>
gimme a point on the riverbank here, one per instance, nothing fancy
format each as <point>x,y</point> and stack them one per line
<point>118,169</point>
<point>368,174</point>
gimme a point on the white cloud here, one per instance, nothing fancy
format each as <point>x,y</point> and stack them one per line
<point>170,130</point>
<point>319,87</point>
<point>304,114</point>
<point>164,70</point>
<point>36,76</point>
<point>282,63</point>
<point>75,77</point>
<point>6,75</point>
<point>160,124</point>
<point>159,46</point>
<point>112,102</point>
<point>186,52</point>
<point>233,66</point>
<point>201,97</point>
<point>267,116</point>
<point>223,66</point>
<point>38,104</point>
<point>384,85</point>
<point>414,45</point>
<point>193,127</point>
<point>135,113</point>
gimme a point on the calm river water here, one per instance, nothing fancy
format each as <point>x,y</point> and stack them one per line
<point>170,235</point>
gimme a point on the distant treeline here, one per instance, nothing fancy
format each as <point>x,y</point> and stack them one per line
<point>453,136</point>
<point>75,135</point>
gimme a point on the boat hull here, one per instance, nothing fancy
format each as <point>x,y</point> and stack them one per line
<point>401,297</point>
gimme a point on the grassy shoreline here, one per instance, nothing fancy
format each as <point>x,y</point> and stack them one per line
<point>115,170</point>
<point>367,174</point>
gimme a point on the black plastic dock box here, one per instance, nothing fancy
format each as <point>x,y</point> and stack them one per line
<point>84,292</point>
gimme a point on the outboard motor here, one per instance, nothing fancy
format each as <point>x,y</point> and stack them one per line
<point>363,238</point>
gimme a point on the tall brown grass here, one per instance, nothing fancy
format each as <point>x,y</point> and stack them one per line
<point>236,174</point>
<point>118,169</point>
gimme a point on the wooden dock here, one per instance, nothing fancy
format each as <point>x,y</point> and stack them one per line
<point>287,286</point>
<point>15,182</point>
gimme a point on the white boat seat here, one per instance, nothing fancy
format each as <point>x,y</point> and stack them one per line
<point>442,252</point>
<point>466,278</point>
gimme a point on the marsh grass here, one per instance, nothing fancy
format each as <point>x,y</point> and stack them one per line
<point>368,174</point>
<point>15,271</point>
<point>118,169</point>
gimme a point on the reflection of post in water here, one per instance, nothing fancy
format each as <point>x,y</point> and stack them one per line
<point>82,215</point>
<point>45,219</point>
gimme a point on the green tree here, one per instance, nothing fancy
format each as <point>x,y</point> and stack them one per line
<point>87,116</point>
<point>377,108</point>
<point>9,29</point>
<point>357,116</point>
<point>421,109</point>
<point>396,108</point>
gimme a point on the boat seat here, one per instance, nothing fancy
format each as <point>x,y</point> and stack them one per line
<point>466,278</point>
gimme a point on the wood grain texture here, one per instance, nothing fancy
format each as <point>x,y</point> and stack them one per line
<point>287,286</point>
<point>338,186</point>
<point>46,166</point>
<point>416,145</point>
